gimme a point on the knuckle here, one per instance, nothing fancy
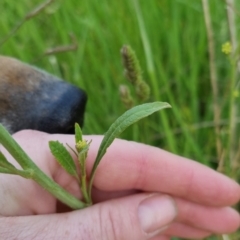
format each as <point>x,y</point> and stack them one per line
<point>111,227</point>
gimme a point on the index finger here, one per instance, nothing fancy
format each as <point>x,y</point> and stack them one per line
<point>130,165</point>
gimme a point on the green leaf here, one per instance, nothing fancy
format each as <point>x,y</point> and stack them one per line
<point>63,157</point>
<point>4,162</point>
<point>78,133</point>
<point>128,118</point>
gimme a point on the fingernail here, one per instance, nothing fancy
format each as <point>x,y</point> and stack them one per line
<point>156,212</point>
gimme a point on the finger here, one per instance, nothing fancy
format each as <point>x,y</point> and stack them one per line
<point>100,196</point>
<point>23,196</point>
<point>187,232</point>
<point>161,238</point>
<point>215,220</point>
<point>20,196</point>
<point>135,217</point>
<point>130,165</point>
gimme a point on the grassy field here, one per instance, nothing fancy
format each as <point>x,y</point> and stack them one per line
<point>170,40</point>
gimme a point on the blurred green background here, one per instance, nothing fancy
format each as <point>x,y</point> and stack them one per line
<point>170,40</point>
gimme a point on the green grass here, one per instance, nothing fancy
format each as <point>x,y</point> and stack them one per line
<point>168,36</point>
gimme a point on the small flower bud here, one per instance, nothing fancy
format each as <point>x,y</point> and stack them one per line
<point>81,145</point>
<point>227,48</point>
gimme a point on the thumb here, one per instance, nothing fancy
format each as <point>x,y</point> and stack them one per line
<point>140,216</point>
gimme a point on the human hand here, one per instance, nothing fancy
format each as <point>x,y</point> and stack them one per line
<point>140,192</point>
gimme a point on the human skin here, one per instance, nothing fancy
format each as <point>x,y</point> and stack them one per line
<point>140,192</point>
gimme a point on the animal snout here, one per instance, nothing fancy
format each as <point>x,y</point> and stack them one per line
<point>31,98</point>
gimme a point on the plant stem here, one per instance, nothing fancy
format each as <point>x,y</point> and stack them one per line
<point>84,187</point>
<point>34,12</point>
<point>213,76</point>
<point>233,140</point>
<point>22,173</point>
<point>36,174</point>
<point>47,183</point>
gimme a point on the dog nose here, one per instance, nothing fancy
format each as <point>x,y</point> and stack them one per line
<point>31,98</point>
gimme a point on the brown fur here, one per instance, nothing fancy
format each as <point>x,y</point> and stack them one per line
<point>26,90</point>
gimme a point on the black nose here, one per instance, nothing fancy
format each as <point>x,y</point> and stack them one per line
<point>33,99</point>
<point>54,107</point>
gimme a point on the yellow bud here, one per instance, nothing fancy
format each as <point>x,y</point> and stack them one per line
<point>81,145</point>
<point>227,48</point>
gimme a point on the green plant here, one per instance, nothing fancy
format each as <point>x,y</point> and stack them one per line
<point>30,169</point>
<point>64,158</point>
<point>172,46</point>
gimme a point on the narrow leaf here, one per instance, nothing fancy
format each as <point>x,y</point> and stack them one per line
<point>128,118</point>
<point>63,157</point>
<point>78,133</point>
<point>4,162</point>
